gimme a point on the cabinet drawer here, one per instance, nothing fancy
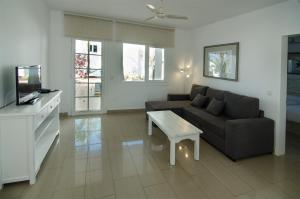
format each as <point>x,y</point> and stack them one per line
<point>40,117</point>
<point>55,102</point>
<point>52,106</point>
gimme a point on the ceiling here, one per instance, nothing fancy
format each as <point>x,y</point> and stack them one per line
<point>200,12</point>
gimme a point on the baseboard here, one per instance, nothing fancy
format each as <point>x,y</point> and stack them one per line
<point>126,111</point>
<point>65,114</point>
<point>15,180</point>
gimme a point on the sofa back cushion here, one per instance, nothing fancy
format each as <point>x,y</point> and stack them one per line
<point>197,89</point>
<point>240,106</point>
<point>214,93</point>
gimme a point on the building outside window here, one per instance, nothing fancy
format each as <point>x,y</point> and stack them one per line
<point>135,63</point>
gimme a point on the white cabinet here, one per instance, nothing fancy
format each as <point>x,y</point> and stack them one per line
<point>26,134</point>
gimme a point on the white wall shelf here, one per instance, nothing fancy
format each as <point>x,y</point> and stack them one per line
<point>26,135</point>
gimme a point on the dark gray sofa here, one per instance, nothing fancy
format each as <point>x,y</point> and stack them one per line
<point>241,131</point>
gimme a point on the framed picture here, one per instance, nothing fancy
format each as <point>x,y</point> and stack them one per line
<point>221,61</point>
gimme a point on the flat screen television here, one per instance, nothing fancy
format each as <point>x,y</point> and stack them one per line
<point>28,84</point>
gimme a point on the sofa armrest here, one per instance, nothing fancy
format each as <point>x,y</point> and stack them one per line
<point>249,137</point>
<point>178,97</point>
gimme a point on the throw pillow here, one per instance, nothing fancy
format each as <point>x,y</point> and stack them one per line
<point>215,107</point>
<point>199,101</point>
<point>197,89</point>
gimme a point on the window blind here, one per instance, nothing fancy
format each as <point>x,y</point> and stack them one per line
<point>88,27</point>
<point>102,29</point>
<point>143,34</point>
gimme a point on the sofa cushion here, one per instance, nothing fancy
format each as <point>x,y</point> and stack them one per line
<point>175,106</point>
<point>197,89</point>
<point>166,105</point>
<point>199,101</point>
<point>214,93</point>
<point>239,106</point>
<point>215,107</point>
<point>206,121</point>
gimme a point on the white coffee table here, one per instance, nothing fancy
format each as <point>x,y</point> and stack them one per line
<point>176,128</point>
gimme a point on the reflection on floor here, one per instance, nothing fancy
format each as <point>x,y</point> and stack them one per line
<point>111,156</point>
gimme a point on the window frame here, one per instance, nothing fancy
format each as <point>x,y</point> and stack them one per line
<point>164,69</point>
<point>135,81</point>
<point>146,79</point>
<point>88,69</point>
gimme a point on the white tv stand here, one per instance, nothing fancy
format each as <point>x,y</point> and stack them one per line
<point>26,134</point>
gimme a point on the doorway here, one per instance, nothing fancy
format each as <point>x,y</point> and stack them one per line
<point>293,96</point>
<point>87,76</point>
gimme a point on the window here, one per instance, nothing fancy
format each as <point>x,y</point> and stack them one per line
<point>134,62</point>
<point>88,66</point>
<point>156,63</point>
<point>135,59</point>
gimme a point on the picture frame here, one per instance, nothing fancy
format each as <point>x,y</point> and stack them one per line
<point>221,61</point>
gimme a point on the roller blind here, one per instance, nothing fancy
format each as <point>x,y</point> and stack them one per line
<point>88,27</point>
<point>142,34</point>
<point>102,29</point>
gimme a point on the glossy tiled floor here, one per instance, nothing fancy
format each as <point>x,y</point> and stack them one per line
<point>111,156</point>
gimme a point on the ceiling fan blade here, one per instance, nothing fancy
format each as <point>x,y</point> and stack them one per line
<point>177,17</point>
<point>150,18</point>
<point>151,7</point>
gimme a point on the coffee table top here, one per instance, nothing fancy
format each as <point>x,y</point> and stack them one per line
<point>172,124</point>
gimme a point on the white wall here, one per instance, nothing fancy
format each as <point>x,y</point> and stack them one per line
<point>23,41</point>
<point>60,60</point>
<point>261,73</point>
<point>117,93</point>
<point>131,95</point>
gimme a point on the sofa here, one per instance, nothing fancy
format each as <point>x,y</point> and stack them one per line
<point>240,131</point>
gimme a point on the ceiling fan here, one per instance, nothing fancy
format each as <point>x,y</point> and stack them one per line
<point>159,13</point>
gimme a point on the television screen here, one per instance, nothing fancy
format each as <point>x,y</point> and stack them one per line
<point>28,83</point>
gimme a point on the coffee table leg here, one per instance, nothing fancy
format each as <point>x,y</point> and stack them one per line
<point>172,152</point>
<point>196,147</point>
<point>149,126</point>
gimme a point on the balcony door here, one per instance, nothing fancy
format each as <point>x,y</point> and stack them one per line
<point>88,76</point>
